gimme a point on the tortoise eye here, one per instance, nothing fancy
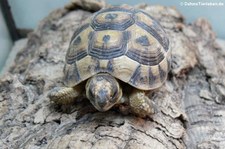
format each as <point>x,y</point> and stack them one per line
<point>113,96</point>
<point>91,95</point>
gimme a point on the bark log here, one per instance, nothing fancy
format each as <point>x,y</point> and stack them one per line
<point>190,104</point>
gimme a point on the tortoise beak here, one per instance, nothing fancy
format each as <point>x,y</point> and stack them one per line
<point>102,100</point>
<point>102,97</point>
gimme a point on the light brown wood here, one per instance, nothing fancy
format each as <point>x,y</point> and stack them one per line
<point>190,105</point>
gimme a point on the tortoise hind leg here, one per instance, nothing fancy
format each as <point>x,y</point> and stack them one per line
<point>140,103</point>
<point>64,95</point>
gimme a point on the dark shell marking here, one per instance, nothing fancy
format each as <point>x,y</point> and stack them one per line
<point>124,42</point>
<point>143,40</point>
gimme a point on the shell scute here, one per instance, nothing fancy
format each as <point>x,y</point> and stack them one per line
<point>112,20</point>
<point>108,44</point>
<point>78,46</point>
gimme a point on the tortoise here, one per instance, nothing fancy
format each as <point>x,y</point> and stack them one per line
<point>115,57</point>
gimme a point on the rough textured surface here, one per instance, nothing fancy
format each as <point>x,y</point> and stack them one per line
<point>190,105</point>
<point>90,5</point>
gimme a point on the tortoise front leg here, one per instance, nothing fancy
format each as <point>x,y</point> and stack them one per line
<point>64,95</point>
<point>140,103</point>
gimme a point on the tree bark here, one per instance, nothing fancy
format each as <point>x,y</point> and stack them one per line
<point>190,105</point>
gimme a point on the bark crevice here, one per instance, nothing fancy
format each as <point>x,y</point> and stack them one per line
<point>190,105</point>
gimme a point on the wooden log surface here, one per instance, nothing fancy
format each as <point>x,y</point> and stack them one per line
<point>190,105</point>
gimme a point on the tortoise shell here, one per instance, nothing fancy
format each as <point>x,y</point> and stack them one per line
<point>124,42</point>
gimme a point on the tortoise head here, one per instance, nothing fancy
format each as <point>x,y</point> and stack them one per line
<point>103,91</point>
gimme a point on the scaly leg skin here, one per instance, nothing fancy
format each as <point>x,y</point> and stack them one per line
<point>64,95</point>
<point>140,103</point>
<point>123,105</point>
